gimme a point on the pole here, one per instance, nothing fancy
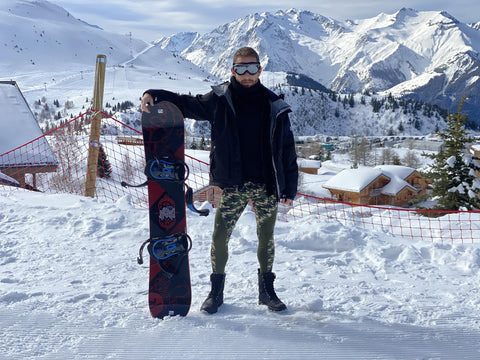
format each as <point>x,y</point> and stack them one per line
<point>95,126</point>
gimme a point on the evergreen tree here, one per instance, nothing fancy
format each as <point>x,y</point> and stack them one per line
<point>104,170</point>
<point>455,184</point>
<point>203,143</point>
<point>396,160</point>
<point>351,100</point>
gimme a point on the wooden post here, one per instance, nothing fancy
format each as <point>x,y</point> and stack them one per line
<point>95,126</point>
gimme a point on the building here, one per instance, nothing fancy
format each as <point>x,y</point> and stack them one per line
<point>309,166</point>
<point>23,149</point>
<point>382,185</point>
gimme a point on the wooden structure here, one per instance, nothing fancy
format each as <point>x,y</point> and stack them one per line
<point>382,185</point>
<point>309,166</point>
<point>208,193</point>
<point>23,148</point>
<point>95,126</point>
<point>475,151</point>
<point>129,140</point>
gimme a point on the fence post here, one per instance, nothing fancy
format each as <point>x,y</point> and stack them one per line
<point>95,126</point>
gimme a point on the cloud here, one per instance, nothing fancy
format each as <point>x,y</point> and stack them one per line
<point>150,20</point>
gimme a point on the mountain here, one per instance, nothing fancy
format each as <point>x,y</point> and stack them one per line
<point>423,55</point>
<point>38,35</point>
<point>176,44</point>
<point>51,55</point>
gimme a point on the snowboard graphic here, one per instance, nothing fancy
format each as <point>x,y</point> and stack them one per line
<point>168,245</point>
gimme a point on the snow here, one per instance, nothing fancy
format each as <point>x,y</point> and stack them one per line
<point>70,287</point>
<point>397,175</point>
<point>17,115</point>
<point>396,170</point>
<point>353,179</point>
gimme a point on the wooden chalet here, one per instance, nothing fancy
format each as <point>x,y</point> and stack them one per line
<point>23,149</point>
<point>208,193</point>
<point>383,185</point>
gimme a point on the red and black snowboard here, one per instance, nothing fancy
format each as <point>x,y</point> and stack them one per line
<point>169,286</point>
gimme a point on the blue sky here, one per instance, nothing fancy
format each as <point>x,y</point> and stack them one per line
<point>151,19</point>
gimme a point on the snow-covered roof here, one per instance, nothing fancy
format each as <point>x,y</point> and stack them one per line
<point>396,170</point>
<point>396,185</point>
<point>308,163</point>
<point>397,175</point>
<point>353,179</point>
<point>7,180</point>
<point>356,180</point>
<point>18,127</point>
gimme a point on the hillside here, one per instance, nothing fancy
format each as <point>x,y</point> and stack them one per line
<point>51,55</point>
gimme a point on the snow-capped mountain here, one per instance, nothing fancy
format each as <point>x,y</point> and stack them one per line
<point>51,54</point>
<point>424,55</point>
<point>176,44</point>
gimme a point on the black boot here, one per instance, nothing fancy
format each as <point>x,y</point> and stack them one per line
<point>266,293</point>
<point>215,297</point>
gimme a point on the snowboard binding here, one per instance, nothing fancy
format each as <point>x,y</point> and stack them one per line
<point>168,248</point>
<point>165,169</point>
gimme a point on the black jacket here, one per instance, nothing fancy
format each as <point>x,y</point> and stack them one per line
<point>225,158</point>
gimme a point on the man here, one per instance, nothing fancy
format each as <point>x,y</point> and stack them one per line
<point>252,159</point>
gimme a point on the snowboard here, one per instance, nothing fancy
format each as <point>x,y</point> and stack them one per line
<point>169,292</point>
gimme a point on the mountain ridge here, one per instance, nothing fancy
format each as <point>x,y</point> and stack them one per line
<point>423,55</point>
<point>50,49</point>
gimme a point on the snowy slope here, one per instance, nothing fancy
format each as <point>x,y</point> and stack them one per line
<point>70,287</point>
<point>51,54</point>
<point>38,35</point>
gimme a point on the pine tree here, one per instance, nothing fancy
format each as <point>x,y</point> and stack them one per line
<point>104,170</point>
<point>455,184</point>
<point>203,144</point>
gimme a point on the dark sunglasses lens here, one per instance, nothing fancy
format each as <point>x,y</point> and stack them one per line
<point>241,69</point>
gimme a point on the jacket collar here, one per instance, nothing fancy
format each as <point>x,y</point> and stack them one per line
<point>277,104</point>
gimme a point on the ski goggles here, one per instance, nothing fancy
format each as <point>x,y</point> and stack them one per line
<point>242,68</point>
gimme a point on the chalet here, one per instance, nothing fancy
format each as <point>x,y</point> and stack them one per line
<point>382,185</point>
<point>208,193</point>
<point>23,149</point>
<point>309,166</point>
<point>475,151</point>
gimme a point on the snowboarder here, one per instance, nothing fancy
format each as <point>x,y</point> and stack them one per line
<point>252,158</point>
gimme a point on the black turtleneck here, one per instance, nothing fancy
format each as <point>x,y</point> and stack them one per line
<point>252,115</point>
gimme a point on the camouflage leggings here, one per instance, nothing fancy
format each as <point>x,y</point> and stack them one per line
<point>232,204</point>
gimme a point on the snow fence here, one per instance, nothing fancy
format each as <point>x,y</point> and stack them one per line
<point>121,158</point>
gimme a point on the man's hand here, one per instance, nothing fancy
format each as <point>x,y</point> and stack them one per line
<point>146,101</point>
<point>286,201</point>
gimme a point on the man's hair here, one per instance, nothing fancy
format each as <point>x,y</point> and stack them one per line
<point>245,52</point>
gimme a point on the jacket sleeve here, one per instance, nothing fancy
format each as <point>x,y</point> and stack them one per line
<point>199,107</point>
<point>289,159</point>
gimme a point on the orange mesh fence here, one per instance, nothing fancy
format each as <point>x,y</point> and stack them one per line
<point>455,227</point>
<point>57,161</point>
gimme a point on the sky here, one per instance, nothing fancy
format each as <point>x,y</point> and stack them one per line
<point>152,19</point>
